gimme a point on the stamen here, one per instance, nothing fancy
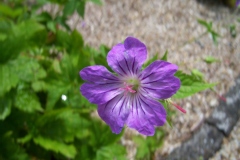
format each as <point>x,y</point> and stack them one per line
<point>178,107</point>
<point>127,88</point>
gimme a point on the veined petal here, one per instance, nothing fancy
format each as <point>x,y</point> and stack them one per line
<point>145,114</point>
<point>97,74</point>
<point>127,58</point>
<point>115,112</point>
<point>100,93</point>
<point>158,80</point>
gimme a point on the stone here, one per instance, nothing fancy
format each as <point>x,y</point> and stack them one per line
<point>226,115</point>
<point>203,145</point>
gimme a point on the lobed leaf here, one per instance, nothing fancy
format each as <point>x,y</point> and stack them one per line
<point>114,151</point>
<point>27,101</point>
<point>67,150</point>
<point>190,85</point>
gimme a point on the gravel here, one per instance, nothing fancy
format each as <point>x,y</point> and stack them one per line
<point>172,25</point>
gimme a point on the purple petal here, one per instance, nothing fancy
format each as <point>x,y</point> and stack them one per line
<point>97,74</point>
<point>127,58</point>
<point>100,93</point>
<point>101,85</point>
<point>158,80</point>
<point>145,114</point>
<point>237,3</point>
<point>115,112</point>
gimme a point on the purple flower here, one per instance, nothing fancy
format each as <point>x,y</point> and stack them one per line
<point>237,3</point>
<point>131,95</point>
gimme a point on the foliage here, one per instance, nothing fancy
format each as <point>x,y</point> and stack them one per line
<point>208,26</point>
<point>40,62</point>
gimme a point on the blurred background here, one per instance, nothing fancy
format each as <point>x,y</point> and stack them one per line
<point>45,43</point>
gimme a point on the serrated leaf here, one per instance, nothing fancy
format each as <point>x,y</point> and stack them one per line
<point>39,86</point>
<point>5,107</point>
<point>56,89</point>
<point>28,69</point>
<point>210,59</point>
<point>190,85</point>
<point>164,58</point>
<point>114,151</point>
<point>8,78</point>
<point>102,134</point>
<point>63,125</point>
<point>67,150</point>
<point>27,101</point>
<point>199,75</point>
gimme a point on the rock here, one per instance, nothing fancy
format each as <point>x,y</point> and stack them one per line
<point>226,115</point>
<point>203,144</point>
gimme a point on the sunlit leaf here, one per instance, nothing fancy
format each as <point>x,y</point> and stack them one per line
<point>8,78</point>
<point>190,85</point>
<point>164,58</point>
<point>114,151</point>
<point>27,101</point>
<point>210,59</point>
<point>67,150</point>
<point>5,107</point>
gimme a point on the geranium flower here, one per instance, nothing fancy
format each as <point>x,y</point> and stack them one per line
<point>131,95</point>
<point>237,3</point>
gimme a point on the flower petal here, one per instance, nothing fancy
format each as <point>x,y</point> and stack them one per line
<point>115,112</point>
<point>97,74</point>
<point>127,58</point>
<point>158,80</point>
<point>145,114</point>
<point>100,93</point>
<point>101,85</point>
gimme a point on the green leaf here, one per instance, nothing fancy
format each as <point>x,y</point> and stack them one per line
<point>63,125</point>
<point>9,12</point>
<point>67,150</point>
<point>39,86</point>
<point>204,23</point>
<point>210,59</point>
<point>154,58</point>
<point>146,147</point>
<point>10,150</point>
<point>190,85</point>
<point>142,147</point>
<point>28,69</point>
<point>19,39</point>
<point>55,89</point>
<point>8,79</point>
<point>27,101</point>
<point>114,151</point>
<point>215,35</point>
<point>98,2</point>
<point>51,25</point>
<point>164,58</point>
<point>199,75</point>
<point>81,8</point>
<point>69,7</point>
<point>102,135</point>
<point>76,42</point>
<point>233,31</point>
<point>5,107</point>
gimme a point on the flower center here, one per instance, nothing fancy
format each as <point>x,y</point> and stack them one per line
<point>130,86</point>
